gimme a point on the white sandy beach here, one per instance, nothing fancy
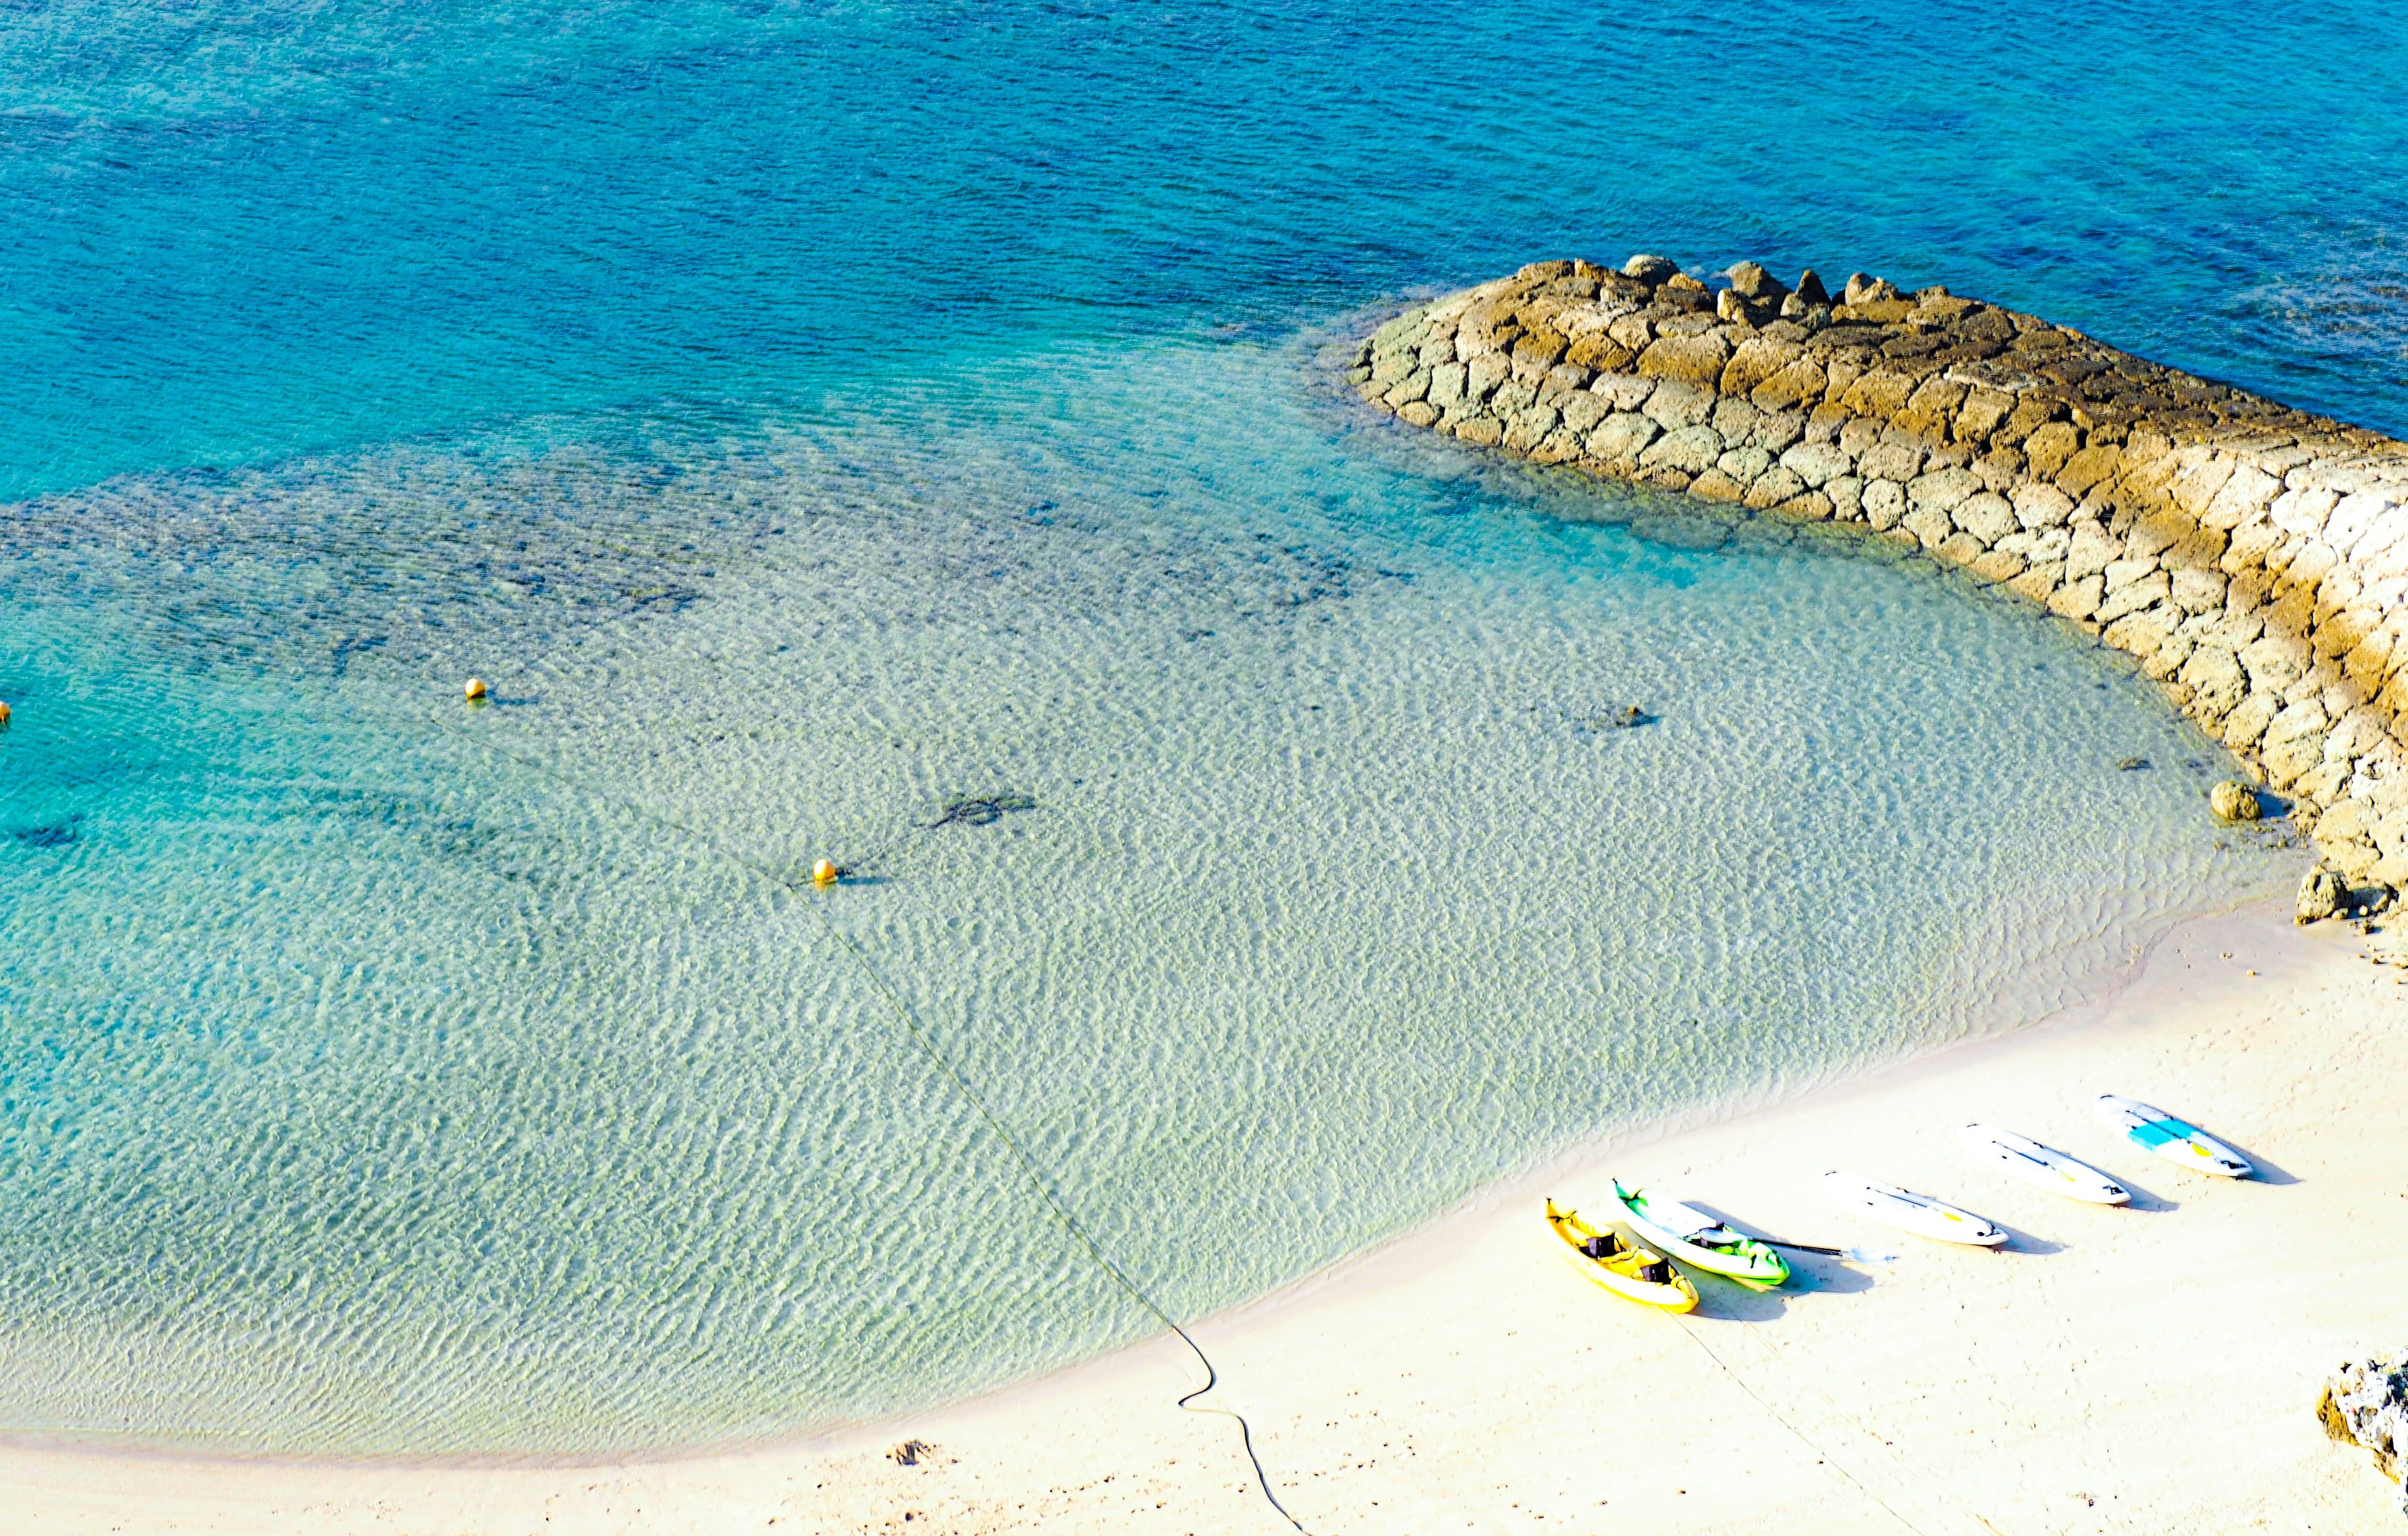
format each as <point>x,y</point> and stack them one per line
<point>2143,1370</point>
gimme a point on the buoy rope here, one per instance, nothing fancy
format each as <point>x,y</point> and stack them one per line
<point>920,1036</point>
<point>1779,1417</point>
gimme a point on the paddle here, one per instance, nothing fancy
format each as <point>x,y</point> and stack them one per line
<point>1855,1256</point>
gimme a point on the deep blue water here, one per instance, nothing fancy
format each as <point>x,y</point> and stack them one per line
<point>810,416</point>
<point>231,232</point>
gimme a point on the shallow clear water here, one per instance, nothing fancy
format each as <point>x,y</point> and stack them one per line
<point>810,418</point>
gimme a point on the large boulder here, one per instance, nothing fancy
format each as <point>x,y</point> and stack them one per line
<point>2365,1404</point>
<point>2322,893</point>
<point>2233,801</point>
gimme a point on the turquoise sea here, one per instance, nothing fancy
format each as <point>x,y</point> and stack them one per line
<point>907,436</point>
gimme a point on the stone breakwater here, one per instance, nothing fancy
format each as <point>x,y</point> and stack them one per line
<point>2253,557</point>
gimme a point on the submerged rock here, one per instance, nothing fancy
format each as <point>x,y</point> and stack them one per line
<point>2322,893</point>
<point>58,834</point>
<point>2365,1404</point>
<point>2233,801</point>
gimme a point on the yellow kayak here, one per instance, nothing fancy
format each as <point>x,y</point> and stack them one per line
<point>1641,1274</point>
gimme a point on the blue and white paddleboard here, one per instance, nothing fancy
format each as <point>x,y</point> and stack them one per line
<point>2178,1142</point>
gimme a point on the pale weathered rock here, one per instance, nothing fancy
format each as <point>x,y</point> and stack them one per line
<point>2255,559</point>
<point>1622,436</point>
<point>1691,449</point>
<point>2233,801</point>
<point>2322,893</point>
<point>1884,503</point>
<point>1895,460</point>
<point>1815,462</point>
<point>2365,1403</point>
<point>1677,403</point>
<point>1861,289</point>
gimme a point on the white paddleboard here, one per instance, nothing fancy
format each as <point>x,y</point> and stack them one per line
<point>2180,1143</point>
<point>1911,1213</point>
<point>2044,1166</point>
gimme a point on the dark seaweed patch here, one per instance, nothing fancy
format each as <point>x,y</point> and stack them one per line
<point>980,812</point>
<point>58,834</point>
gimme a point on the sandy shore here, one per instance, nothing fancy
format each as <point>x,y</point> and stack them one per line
<point>2143,1369</point>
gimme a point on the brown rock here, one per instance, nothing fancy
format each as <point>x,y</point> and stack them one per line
<point>2088,468</point>
<point>1541,345</point>
<point>2038,584</point>
<point>2079,598</point>
<point>1774,487</point>
<point>2050,446</point>
<point>1879,393</point>
<point>1698,359</point>
<point>1753,283</point>
<point>1932,407</point>
<point>1755,360</point>
<point>1601,351</point>
<point>1717,485</point>
<point>1985,411</point>
<point>1795,386</point>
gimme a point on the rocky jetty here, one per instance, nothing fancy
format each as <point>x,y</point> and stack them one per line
<point>2253,557</point>
<point>2365,1404</point>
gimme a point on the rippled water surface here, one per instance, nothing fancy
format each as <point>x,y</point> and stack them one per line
<point>905,436</point>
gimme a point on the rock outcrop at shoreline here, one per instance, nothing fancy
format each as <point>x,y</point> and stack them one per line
<point>2365,1404</point>
<point>2253,557</point>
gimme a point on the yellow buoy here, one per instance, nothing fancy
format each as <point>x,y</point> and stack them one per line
<point>4,713</point>
<point>475,689</point>
<point>824,873</point>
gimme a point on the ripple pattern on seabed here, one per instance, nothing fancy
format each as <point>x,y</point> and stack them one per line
<point>363,1090</point>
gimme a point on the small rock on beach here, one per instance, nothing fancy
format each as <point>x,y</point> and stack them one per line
<point>2233,801</point>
